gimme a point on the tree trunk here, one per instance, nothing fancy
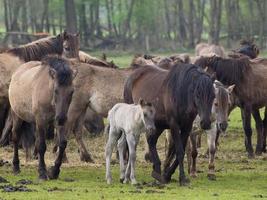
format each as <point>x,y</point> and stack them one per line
<point>191,24</point>
<point>6,15</point>
<point>182,25</point>
<point>215,25</point>
<point>70,14</point>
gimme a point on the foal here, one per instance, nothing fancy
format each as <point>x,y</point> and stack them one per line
<point>127,121</point>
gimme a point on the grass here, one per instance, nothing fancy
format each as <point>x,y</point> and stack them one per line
<point>237,176</point>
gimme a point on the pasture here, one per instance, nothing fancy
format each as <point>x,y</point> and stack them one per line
<point>237,176</point>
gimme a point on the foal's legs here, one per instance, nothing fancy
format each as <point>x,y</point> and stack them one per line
<point>246,118</point>
<point>7,131</point>
<point>41,148</point>
<point>259,127</point>
<point>16,134</point>
<point>170,150</point>
<point>264,130</point>
<point>211,139</point>
<point>62,144</point>
<point>130,170</point>
<point>122,145</point>
<point>112,138</point>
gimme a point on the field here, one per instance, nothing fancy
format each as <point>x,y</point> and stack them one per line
<point>237,176</point>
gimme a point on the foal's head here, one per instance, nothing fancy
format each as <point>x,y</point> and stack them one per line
<point>222,104</point>
<point>62,76</point>
<point>147,115</point>
<point>71,45</point>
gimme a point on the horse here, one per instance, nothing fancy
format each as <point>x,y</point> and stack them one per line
<point>126,123</point>
<point>178,95</point>
<point>248,77</point>
<point>220,109</point>
<point>41,92</point>
<point>204,49</point>
<point>11,59</point>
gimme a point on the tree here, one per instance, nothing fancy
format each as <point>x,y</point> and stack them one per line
<point>70,14</point>
<point>215,21</point>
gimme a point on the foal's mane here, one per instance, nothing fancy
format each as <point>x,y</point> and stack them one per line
<point>38,49</point>
<point>183,80</point>
<point>62,68</point>
<point>228,70</point>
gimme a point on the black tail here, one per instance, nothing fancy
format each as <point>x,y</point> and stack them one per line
<point>127,93</point>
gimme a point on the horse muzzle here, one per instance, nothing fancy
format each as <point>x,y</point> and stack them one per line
<point>223,126</point>
<point>205,125</point>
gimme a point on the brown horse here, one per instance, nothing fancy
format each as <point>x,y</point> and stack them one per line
<point>40,92</point>
<point>177,95</point>
<point>13,58</point>
<point>249,78</point>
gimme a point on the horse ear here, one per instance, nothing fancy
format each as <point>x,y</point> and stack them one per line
<point>74,73</point>
<point>141,102</point>
<point>231,88</point>
<point>52,73</point>
<point>65,34</point>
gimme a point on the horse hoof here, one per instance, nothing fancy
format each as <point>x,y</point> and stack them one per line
<point>184,181</point>
<point>251,155</point>
<point>16,171</point>
<point>157,176</point>
<point>166,179</point>
<point>121,180</point>
<point>193,174</point>
<point>212,177</point>
<point>134,182</point>
<point>43,177</point>
<point>147,157</point>
<point>53,173</point>
<point>87,158</point>
<point>109,181</point>
<point>125,181</point>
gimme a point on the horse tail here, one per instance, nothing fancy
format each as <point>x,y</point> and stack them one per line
<point>127,93</point>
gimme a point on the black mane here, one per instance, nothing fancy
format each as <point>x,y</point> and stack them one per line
<point>62,68</point>
<point>228,70</point>
<point>186,80</point>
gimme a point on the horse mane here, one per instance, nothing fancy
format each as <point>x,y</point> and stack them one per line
<point>62,68</point>
<point>38,49</point>
<point>228,70</point>
<point>186,80</point>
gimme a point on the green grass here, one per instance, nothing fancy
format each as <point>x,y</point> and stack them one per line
<point>237,176</point>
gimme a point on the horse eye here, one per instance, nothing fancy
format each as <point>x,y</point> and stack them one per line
<point>216,104</point>
<point>67,48</point>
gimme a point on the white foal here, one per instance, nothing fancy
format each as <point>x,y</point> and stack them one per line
<point>126,123</point>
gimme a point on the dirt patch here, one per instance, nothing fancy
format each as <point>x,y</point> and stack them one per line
<point>135,191</point>
<point>246,168</point>
<point>24,182</point>
<point>3,180</point>
<point>17,188</point>
<point>68,179</point>
<point>55,189</point>
<point>153,184</point>
<point>154,191</point>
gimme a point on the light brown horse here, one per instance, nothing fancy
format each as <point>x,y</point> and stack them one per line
<point>205,49</point>
<point>41,92</point>
<point>13,58</point>
<point>96,88</point>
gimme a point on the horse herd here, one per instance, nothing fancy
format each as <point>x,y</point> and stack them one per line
<point>51,83</point>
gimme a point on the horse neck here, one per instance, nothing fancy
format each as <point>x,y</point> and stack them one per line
<point>138,117</point>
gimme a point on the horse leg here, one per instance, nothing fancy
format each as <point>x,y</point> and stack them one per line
<point>16,135</point>
<point>152,139</point>
<point>7,131</point>
<point>259,128</point>
<point>211,139</point>
<point>130,170</point>
<point>121,148</point>
<point>4,110</point>
<point>170,151</point>
<point>54,171</point>
<point>41,148</point>
<point>108,152</point>
<point>193,148</point>
<point>264,131</point>
<point>180,140</point>
<point>246,119</point>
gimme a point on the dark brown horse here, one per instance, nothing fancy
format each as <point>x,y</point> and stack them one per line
<point>249,78</point>
<point>41,92</point>
<point>178,95</point>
